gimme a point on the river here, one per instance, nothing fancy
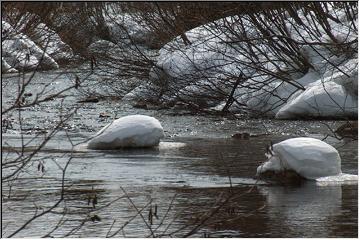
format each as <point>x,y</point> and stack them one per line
<point>196,168</point>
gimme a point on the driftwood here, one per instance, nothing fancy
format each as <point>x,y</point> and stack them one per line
<point>246,135</point>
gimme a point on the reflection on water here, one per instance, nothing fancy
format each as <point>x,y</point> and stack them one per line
<point>188,177</point>
<point>278,211</point>
<point>305,211</point>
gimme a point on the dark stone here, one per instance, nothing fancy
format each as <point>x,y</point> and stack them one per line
<point>104,115</point>
<point>141,105</point>
<point>287,177</point>
<point>243,135</point>
<point>89,100</point>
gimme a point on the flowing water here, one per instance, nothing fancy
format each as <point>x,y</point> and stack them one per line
<point>195,169</point>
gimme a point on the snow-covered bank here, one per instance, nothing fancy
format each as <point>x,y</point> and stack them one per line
<point>321,99</point>
<point>265,82</point>
<point>278,65</point>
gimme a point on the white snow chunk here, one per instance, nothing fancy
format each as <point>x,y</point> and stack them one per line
<point>321,99</point>
<point>309,157</point>
<point>128,131</point>
<point>22,53</point>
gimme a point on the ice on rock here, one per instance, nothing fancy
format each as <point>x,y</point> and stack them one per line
<point>310,158</point>
<point>128,131</point>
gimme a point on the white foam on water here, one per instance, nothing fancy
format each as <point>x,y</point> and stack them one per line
<point>170,145</point>
<point>340,179</point>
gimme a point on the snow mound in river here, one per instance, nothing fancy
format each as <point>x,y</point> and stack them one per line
<point>309,157</point>
<point>128,131</point>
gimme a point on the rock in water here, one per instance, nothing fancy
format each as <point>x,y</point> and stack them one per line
<point>309,157</point>
<point>129,131</point>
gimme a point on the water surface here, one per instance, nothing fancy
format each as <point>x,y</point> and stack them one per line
<point>197,168</point>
